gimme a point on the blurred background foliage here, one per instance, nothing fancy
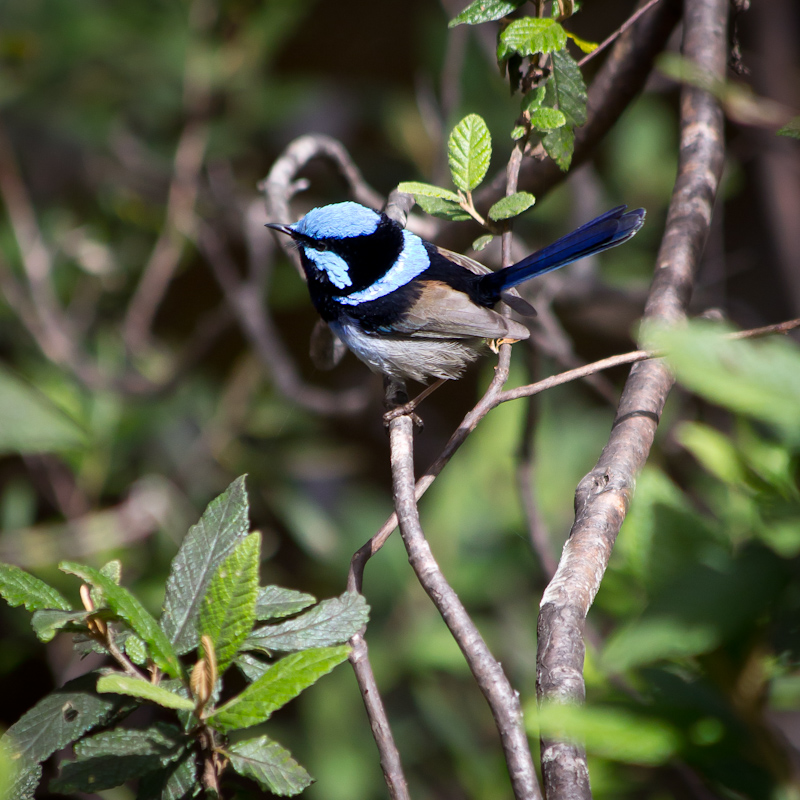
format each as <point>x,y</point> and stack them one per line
<point>692,661</point>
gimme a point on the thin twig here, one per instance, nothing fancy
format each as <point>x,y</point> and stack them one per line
<point>622,28</point>
<point>503,700</point>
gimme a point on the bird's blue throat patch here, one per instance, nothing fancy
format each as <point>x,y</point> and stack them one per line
<point>335,267</point>
<point>338,221</point>
<point>412,261</point>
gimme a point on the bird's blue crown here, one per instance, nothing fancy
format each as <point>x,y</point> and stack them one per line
<point>338,221</point>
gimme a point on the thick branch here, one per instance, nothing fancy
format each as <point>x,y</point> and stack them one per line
<point>603,496</point>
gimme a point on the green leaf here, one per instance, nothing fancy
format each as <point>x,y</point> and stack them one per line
<point>21,588</point>
<point>610,733</point>
<point>271,765</point>
<point>24,783</point>
<point>714,450</point>
<point>791,128</point>
<point>511,206</point>
<point>113,757</point>
<point>547,119</point>
<point>136,649</point>
<point>427,190</point>
<point>126,606</point>
<point>485,11</point>
<point>531,35</point>
<point>759,379</point>
<point>137,687</point>
<point>559,145</point>
<point>59,719</point>
<point>481,242</point>
<point>443,209</point>
<point>177,781</point>
<point>281,683</point>
<point>48,622</point>
<point>469,150</point>
<point>229,607</point>
<point>533,99</point>
<point>251,666</point>
<point>223,525</point>
<point>566,90</point>
<point>518,131</point>
<point>275,601</point>
<point>331,622</point>
<point>31,423</point>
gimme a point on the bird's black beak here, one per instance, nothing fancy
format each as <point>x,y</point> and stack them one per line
<point>277,226</point>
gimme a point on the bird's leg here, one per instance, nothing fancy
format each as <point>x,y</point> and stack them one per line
<point>402,405</point>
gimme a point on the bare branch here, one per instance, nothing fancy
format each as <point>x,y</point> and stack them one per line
<point>502,699</point>
<point>603,496</point>
<point>379,722</point>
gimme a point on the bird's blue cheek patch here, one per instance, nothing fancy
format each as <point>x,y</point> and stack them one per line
<point>338,221</point>
<point>412,262</point>
<point>335,267</point>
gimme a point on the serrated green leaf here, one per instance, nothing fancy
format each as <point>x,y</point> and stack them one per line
<point>48,622</point>
<point>31,423</point>
<point>566,89</point>
<point>59,719</point>
<point>275,601</point>
<point>443,209</point>
<point>251,666</point>
<point>531,35</point>
<point>331,622</point>
<point>112,757</point>
<point>177,781</point>
<point>585,46</point>
<point>485,11</point>
<point>547,119</point>
<point>791,128</point>
<point>126,606</point>
<point>136,687</point>
<point>533,99</point>
<point>481,242</point>
<point>113,571</point>
<point>271,765</point>
<point>223,525</point>
<point>228,610</point>
<point>469,151</point>
<point>20,588</point>
<point>24,783</point>
<point>511,206</point>
<point>281,683</point>
<point>559,145</point>
<point>427,190</point>
<point>136,649</point>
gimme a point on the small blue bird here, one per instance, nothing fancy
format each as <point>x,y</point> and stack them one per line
<point>410,310</point>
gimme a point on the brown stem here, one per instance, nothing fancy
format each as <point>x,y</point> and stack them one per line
<point>489,675</point>
<point>603,496</point>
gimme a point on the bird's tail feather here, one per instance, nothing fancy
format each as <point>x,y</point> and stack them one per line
<point>608,230</point>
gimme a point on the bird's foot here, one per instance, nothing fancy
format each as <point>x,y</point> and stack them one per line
<point>494,344</point>
<point>405,410</point>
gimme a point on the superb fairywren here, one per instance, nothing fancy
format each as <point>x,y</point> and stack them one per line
<point>409,309</point>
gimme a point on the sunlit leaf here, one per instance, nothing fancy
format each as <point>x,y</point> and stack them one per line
<point>144,690</point>
<point>531,35</point>
<point>511,206</point>
<point>271,765</point>
<point>485,11</point>
<point>18,588</point>
<point>469,151</point>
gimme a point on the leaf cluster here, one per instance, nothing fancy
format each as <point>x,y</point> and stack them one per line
<point>213,607</point>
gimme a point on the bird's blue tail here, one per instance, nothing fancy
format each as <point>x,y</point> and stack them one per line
<point>608,230</point>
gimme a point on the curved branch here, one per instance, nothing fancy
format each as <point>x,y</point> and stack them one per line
<point>603,496</point>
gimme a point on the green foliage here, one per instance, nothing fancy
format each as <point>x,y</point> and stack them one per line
<point>511,206</point>
<point>224,560</point>
<point>530,35</point>
<point>791,128</point>
<point>469,151</point>
<point>32,423</point>
<point>485,11</point>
